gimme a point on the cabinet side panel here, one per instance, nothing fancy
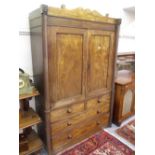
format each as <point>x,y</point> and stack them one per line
<point>37,61</point>
<point>115,46</point>
<point>40,72</point>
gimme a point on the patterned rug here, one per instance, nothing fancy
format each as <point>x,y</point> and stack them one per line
<point>100,144</point>
<point>128,132</point>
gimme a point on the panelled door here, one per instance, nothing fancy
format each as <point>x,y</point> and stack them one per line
<point>99,64</point>
<point>128,101</point>
<point>67,50</point>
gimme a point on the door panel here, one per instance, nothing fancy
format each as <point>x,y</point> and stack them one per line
<point>127,102</point>
<point>70,51</point>
<point>67,53</point>
<point>99,65</point>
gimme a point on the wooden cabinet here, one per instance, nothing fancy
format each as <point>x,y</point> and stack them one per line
<point>73,54</point>
<point>124,104</point>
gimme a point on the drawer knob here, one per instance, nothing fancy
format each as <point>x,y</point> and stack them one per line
<point>99,101</point>
<point>69,136</point>
<point>69,123</point>
<point>69,110</point>
<point>98,123</point>
<point>98,111</point>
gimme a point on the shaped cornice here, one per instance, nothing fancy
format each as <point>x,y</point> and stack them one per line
<point>80,13</point>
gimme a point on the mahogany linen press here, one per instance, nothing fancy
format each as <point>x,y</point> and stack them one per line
<point>73,53</point>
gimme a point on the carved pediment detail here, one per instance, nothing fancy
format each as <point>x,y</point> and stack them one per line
<point>80,13</point>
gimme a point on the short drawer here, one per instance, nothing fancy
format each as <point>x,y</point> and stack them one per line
<point>60,114</point>
<point>101,104</point>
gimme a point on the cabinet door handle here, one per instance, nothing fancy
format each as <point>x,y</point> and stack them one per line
<point>69,110</point>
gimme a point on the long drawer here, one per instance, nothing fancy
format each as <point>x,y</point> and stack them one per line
<point>80,130</point>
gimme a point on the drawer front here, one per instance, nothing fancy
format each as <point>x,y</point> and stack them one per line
<point>68,123</point>
<point>94,124</point>
<point>60,140</point>
<point>90,126</point>
<point>60,114</point>
<point>104,108</point>
<point>101,104</point>
<point>85,128</point>
<point>105,105</point>
<point>103,120</point>
<point>92,103</point>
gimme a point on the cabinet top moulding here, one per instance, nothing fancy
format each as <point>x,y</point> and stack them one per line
<point>78,13</point>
